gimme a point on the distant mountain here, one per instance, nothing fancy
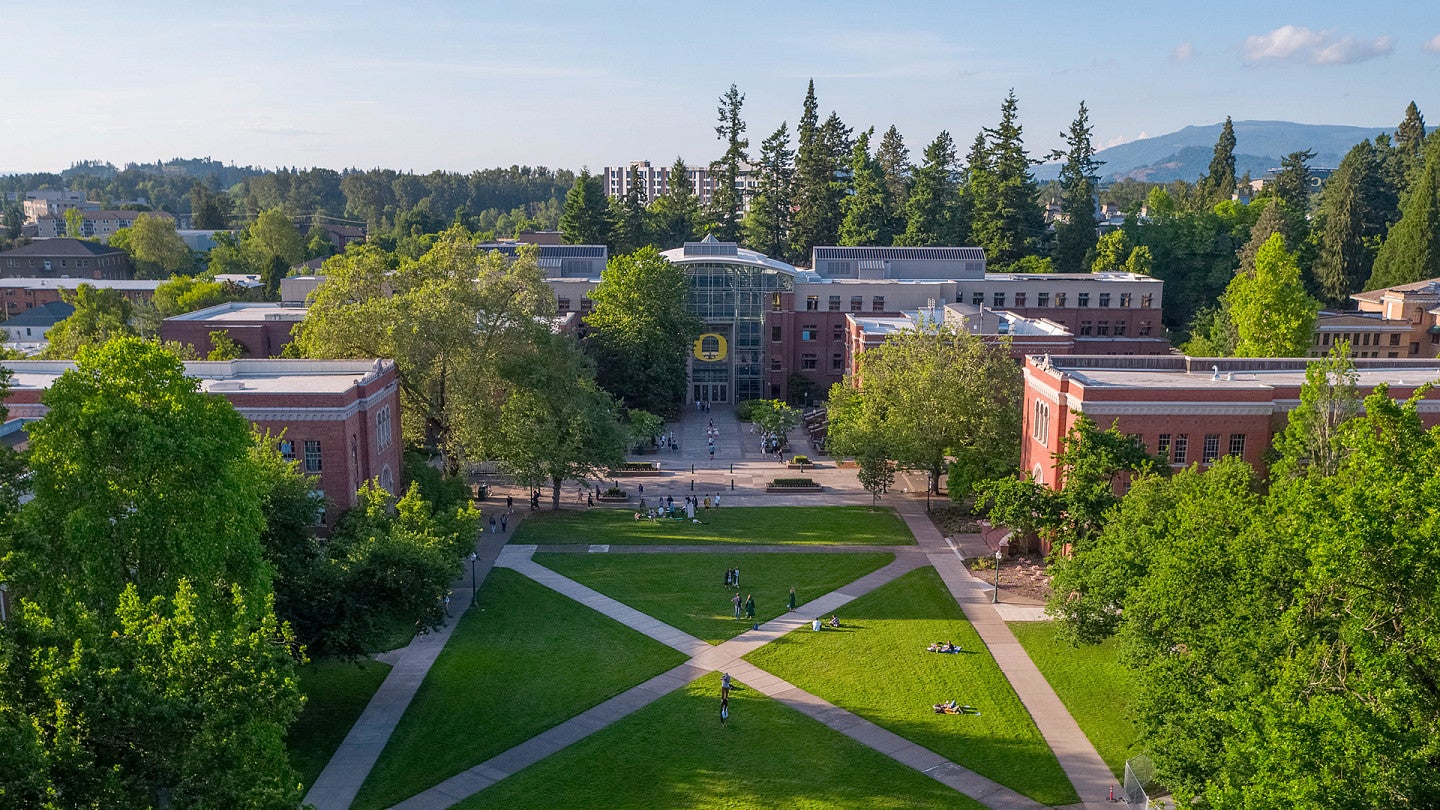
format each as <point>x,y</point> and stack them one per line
<point>1259,145</point>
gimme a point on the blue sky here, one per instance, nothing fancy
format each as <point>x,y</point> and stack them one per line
<point>472,85</point>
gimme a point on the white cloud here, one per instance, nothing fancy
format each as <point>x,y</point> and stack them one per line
<point>1432,44</point>
<point>1184,53</point>
<point>1298,43</point>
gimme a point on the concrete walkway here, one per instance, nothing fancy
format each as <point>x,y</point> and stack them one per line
<point>1082,765</point>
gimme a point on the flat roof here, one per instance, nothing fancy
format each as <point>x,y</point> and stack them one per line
<point>230,376</point>
<point>1234,373</point>
<point>248,311</point>
<point>72,283</point>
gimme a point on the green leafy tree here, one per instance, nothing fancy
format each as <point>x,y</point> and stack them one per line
<point>932,208</point>
<point>224,347</point>
<point>155,248</point>
<point>644,427</point>
<point>876,474</point>
<point>1219,182</point>
<point>74,223</point>
<point>585,219</point>
<point>1021,505</point>
<point>210,210</point>
<point>1411,251</point>
<point>774,418</point>
<point>676,215</point>
<point>767,225</point>
<point>1212,332</point>
<point>100,315</point>
<point>1330,398</point>
<point>867,211</point>
<point>640,331</point>
<point>272,235</point>
<point>1079,179</point>
<point>183,294</point>
<point>1273,315</point>
<point>1111,251</point>
<point>1008,220</point>
<point>726,202</point>
<point>1274,218</point>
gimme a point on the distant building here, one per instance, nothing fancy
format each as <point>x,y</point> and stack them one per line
<point>655,181</point>
<point>559,261</point>
<point>29,330</point>
<point>1405,318</point>
<point>21,294</point>
<point>49,202</point>
<point>65,258</point>
<point>94,224</point>
<point>1026,335</point>
<point>262,329</point>
<point>340,419</point>
<point>201,241</point>
<point>295,290</point>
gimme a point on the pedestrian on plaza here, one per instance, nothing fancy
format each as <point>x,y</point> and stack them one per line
<point>707,500</point>
<point>724,709</point>
<point>790,603</point>
<point>750,607</point>
<point>504,520</point>
<point>735,600</point>
<point>725,685</point>
<point>509,501</point>
<point>737,576</point>
<point>717,500</point>
<point>492,524</point>
<point>589,499</point>
<point>642,488</point>
<point>727,578</point>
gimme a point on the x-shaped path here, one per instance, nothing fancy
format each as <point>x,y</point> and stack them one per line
<point>704,659</point>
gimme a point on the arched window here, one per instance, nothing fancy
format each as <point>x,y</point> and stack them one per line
<point>1038,474</point>
<point>387,480</point>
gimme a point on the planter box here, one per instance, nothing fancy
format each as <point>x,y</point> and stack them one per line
<point>650,473</point>
<point>613,498</point>
<point>801,467</point>
<point>847,465</point>
<point>795,490</point>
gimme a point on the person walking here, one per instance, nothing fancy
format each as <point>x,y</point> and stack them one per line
<point>735,600</point>
<point>790,603</point>
<point>509,501</point>
<point>492,524</point>
<point>717,500</point>
<point>707,500</point>
<point>737,576</point>
<point>724,709</point>
<point>725,685</point>
<point>504,521</point>
<point>750,607</point>
<point>589,499</point>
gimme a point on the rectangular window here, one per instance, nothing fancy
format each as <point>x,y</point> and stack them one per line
<point>586,305</point>
<point>1102,328</point>
<point>1059,299</point>
<point>287,449</point>
<point>1212,447</point>
<point>1042,299</point>
<point>312,455</point>
<point>837,362</point>
<point>775,303</point>
<point>977,299</point>
<point>877,303</point>
<point>1087,328</point>
<point>1145,299</point>
<point>812,303</point>
<point>1144,329</point>
<point>562,304</point>
<point>807,361</point>
<point>1395,340</point>
<point>1182,448</point>
<point>857,303</point>
<point>1125,300</point>
<point>1162,447</point>
<point>807,332</point>
<point>1082,299</point>
<point>839,332</point>
<point>775,364</point>
<point>1019,299</point>
<point>1104,299</point>
<point>834,303</point>
<point>774,334</point>
<point>1119,329</point>
<point>1237,444</point>
<point>998,299</point>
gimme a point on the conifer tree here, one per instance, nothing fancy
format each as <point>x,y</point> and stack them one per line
<point>1009,222</point>
<point>676,214</point>
<point>1411,252</point>
<point>767,226</point>
<point>1272,220</point>
<point>1075,236</point>
<point>930,213</point>
<point>817,191</point>
<point>585,219</point>
<point>1219,182</point>
<point>1356,208</point>
<point>632,226</point>
<point>867,211</point>
<point>1410,143</point>
<point>1293,184</point>
<point>894,157</point>
<point>726,201</point>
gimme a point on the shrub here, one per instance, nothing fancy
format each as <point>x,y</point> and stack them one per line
<point>793,482</point>
<point>745,411</point>
<point>800,460</point>
<point>637,466</point>
<point>614,492</point>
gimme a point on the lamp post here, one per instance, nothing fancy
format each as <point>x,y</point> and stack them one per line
<point>929,485</point>
<point>995,596</point>
<point>473,557</point>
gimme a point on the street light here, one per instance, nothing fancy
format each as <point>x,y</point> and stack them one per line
<point>929,485</point>
<point>995,596</point>
<point>473,557</point>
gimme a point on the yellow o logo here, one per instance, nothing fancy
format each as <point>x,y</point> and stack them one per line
<point>710,347</point>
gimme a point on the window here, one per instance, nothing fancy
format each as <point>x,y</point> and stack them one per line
<point>1087,328</point>
<point>1144,329</point>
<point>856,303</point>
<point>287,449</point>
<point>1212,448</point>
<point>586,305</point>
<point>999,299</point>
<point>387,480</point>
<point>1104,299</point>
<point>1119,329</point>
<point>775,302</point>
<point>1145,299</point>
<point>877,303</point>
<point>1102,328</point>
<point>774,364</point>
<point>1082,299</point>
<point>839,332</point>
<point>1059,299</point>
<point>312,456</point>
<point>1182,447</point>
<point>1395,340</point>
<point>1125,299</point>
<point>1237,444</point>
<point>383,432</point>
<point>1392,354</point>
<point>807,332</point>
<point>774,334</point>
<point>562,304</point>
<point>812,303</point>
<point>1040,424</point>
<point>1019,299</point>
<point>837,362</point>
<point>807,361</point>
<point>1042,299</point>
<point>1162,447</point>
<point>834,303</point>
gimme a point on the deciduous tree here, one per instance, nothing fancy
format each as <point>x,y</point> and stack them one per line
<point>1273,315</point>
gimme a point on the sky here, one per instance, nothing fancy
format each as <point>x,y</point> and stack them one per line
<point>463,86</point>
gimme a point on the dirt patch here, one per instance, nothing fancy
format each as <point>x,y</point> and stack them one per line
<point>953,520</point>
<point>1021,575</point>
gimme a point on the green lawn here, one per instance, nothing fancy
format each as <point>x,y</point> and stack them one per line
<point>876,666</point>
<point>687,591</point>
<point>802,525</point>
<point>523,660</point>
<point>1092,683</point>
<point>674,753</point>
<point>335,694</point>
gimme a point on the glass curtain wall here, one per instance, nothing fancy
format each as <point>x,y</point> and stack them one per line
<point>732,300</point>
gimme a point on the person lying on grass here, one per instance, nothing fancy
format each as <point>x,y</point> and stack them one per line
<point>951,707</point>
<point>943,647</point>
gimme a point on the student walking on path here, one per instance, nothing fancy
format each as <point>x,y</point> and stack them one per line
<point>724,710</point>
<point>749,607</point>
<point>790,603</point>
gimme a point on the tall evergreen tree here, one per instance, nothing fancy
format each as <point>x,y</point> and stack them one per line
<point>1009,221</point>
<point>1356,208</point>
<point>1410,142</point>
<point>676,214</point>
<point>820,154</point>
<point>585,219</point>
<point>1219,182</point>
<point>867,211</point>
<point>1294,182</point>
<point>726,201</point>
<point>1272,220</point>
<point>1079,178</point>
<point>894,157</point>
<point>1411,252</point>
<point>632,221</point>
<point>931,211</point>
<point>767,226</point>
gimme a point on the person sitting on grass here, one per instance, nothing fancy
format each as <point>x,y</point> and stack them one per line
<point>834,620</point>
<point>948,707</point>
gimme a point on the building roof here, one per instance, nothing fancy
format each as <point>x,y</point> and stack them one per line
<point>709,250</point>
<point>43,315</point>
<point>62,247</point>
<point>1426,287</point>
<point>1158,372</point>
<point>110,214</point>
<point>73,283</point>
<point>935,254</point>
<point>246,311</point>
<point>232,377</point>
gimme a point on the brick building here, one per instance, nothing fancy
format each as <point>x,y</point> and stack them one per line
<point>339,418</point>
<point>65,258</point>
<point>262,328</point>
<point>1186,409</point>
<point>20,294</point>
<point>93,223</point>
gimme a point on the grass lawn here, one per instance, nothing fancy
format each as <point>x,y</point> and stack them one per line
<point>687,591</point>
<point>802,525</point>
<point>1092,683</point>
<point>876,666</point>
<point>523,660</point>
<point>335,694</point>
<point>675,753</point>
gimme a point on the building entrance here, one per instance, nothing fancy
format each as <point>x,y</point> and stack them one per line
<point>712,392</point>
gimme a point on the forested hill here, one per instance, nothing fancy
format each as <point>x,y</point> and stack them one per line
<point>1185,155</point>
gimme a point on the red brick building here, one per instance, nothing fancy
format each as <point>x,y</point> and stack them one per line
<point>340,419</point>
<point>65,258</point>
<point>20,294</point>
<point>263,329</point>
<point>1186,409</point>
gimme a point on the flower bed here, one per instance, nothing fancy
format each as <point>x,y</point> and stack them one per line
<point>792,485</point>
<point>638,468</point>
